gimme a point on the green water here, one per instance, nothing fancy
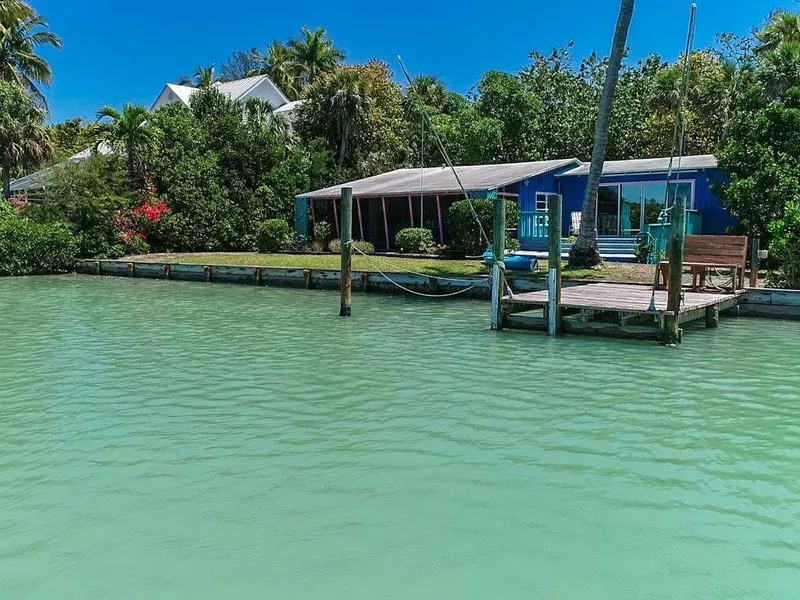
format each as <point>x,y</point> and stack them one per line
<point>178,440</point>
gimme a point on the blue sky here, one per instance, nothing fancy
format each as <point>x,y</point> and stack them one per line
<point>117,51</point>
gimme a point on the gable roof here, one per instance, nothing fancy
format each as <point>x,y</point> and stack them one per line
<point>641,166</point>
<point>440,180</point>
<point>236,90</point>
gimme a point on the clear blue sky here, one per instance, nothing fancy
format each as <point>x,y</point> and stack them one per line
<point>118,51</point>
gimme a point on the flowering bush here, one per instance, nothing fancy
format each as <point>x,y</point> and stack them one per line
<point>136,225</point>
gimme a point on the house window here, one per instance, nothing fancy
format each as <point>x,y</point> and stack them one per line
<point>541,202</point>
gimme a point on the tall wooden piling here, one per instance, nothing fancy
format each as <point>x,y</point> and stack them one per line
<point>677,236</point>
<point>346,284</point>
<point>755,259</point>
<point>554,265</point>
<point>498,252</point>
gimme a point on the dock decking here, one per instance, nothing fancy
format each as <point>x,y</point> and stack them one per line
<point>618,310</point>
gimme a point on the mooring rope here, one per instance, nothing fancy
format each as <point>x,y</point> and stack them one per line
<point>408,290</point>
<point>415,273</point>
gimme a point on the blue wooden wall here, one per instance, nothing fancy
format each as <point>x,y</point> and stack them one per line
<point>715,219</point>
<point>544,182</point>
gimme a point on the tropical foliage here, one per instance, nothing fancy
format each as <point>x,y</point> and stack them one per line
<point>24,141</point>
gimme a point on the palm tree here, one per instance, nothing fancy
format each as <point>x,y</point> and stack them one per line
<point>13,10</point>
<point>22,34</point>
<point>128,133</point>
<point>278,63</point>
<point>783,26</point>
<point>314,54</point>
<point>584,252</point>
<point>24,140</point>
<point>203,78</point>
<point>430,90</point>
<point>348,103</point>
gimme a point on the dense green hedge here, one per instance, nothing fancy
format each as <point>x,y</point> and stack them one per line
<point>415,240</point>
<point>31,248</point>
<point>274,235</point>
<point>464,231</point>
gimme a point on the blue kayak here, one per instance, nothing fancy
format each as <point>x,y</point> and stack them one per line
<point>515,262</point>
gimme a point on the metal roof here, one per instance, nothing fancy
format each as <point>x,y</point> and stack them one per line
<point>41,178</point>
<point>440,180</point>
<point>648,165</point>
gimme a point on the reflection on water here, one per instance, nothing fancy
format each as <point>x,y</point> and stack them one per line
<point>174,440</point>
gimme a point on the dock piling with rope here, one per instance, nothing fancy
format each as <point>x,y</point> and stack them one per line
<point>346,305</point>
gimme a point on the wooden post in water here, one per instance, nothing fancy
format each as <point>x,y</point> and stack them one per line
<point>554,265</point>
<point>754,262</point>
<point>346,284</point>
<point>498,252</point>
<point>677,236</point>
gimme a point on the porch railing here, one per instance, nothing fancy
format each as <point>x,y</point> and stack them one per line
<point>533,225</point>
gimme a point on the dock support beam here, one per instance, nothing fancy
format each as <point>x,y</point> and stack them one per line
<point>754,262</point>
<point>712,316</point>
<point>677,236</point>
<point>554,265</point>
<point>498,251</point>
<point>346,284</point>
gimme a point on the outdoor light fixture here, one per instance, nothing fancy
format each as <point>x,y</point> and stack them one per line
<point>763,254</point>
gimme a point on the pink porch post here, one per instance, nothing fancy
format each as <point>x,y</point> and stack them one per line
<point>360,222</point>
<point>441,225</point>
<point>313,216</point>
<point>336,218</point>
<point>411,210</point>
<point>385,221</point>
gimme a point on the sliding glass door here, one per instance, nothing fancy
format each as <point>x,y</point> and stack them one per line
<point>624,209</point>
<point>608,210</point>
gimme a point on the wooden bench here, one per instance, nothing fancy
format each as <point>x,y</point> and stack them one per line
<point>704,252</point>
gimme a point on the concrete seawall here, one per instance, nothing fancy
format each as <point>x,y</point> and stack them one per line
<point>783,304</point>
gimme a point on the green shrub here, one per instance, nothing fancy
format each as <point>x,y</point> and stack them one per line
<point>31,248</point>
<point>414,240</point>
<point>513,244</point>
<point>365,247</point>
<point>642,251</point>
<point>322,232</point>
<point>464,231</point>
<point>785,247</point>
<point>274,235</point>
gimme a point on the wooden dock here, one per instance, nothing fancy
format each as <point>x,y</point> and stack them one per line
<point>617,310</point>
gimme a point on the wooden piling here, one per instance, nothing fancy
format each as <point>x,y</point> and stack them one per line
<point>166,271</point>
<point>554,264</point>
<point>754,262</point>
<point>498,252</point>
<point>346,285</point>
<point>677,236</point>
<point>712,316</point>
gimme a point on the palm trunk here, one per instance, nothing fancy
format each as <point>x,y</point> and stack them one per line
<point>342,148</point>
<point>584,253</point>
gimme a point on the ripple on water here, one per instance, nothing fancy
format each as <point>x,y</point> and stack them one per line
<point>164,439</point>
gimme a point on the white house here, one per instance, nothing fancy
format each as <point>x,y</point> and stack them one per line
<point>239,90</point>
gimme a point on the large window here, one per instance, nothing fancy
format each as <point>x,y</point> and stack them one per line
<point>625,208</point>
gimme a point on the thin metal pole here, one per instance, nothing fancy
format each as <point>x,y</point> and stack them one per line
<point>675,252</point>
<point>411,210</point>
<point>346,284</point>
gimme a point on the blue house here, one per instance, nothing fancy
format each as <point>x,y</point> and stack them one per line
<point>630,199</point>
<point>389,202</point>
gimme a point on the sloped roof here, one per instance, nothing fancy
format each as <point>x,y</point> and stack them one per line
<point>648,165</point>
<point>289,107</point>
<point>235,90</point>
<point>440,180</point>
<point>41,178</point>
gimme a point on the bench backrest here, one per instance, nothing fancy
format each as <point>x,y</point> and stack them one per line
<point>716,250</point>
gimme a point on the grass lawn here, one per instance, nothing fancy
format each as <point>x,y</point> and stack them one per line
<point>616,272</point>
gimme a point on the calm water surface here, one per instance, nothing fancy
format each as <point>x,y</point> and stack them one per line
<point>178,440</point>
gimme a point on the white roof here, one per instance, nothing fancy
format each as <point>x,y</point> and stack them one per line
<point>641,166</point>
<point>239,89</point>
<point>440,180</point>
<point>40,178</point>
<point>289,107</point>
